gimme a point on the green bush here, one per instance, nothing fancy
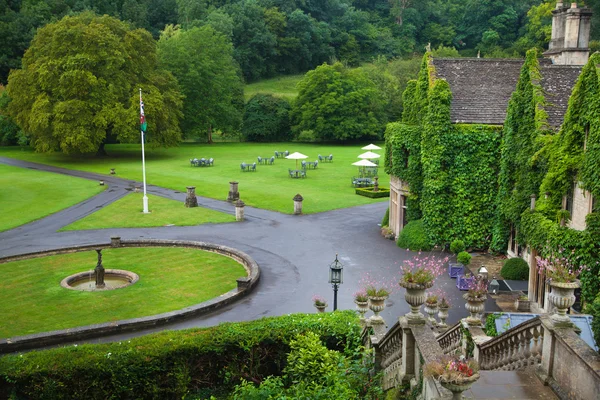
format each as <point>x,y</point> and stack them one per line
<point>368,192</point>
<point>457,246</point>
<point>266,119</point>
<point>464,258</point>
<point>413,237</point>
<point>170,364</point>
<point>490,324</point>
<point>386,218</point>
<point>515,269</point>
<point>594,310</point>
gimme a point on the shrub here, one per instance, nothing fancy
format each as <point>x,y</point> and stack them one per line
<point>464,258</point>
<point>490,324</point>
<point>170,364</point>
<point>368,192</point>
<point>307,136</point>
<point>515,269</point>
<point>413,237</point>
<point>386,218</point>
<point>266,119</point>
<point>457,246</point>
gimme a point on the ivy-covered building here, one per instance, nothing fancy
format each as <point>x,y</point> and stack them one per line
<point>479,137</point>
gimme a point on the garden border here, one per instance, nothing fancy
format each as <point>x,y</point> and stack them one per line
<point>244,286</point>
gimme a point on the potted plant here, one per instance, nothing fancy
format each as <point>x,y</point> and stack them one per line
<point>418,275</point>
<point>319,302</point>
<point>476,296</point>
<point>431,306</point>
<point>444,306</point>
<point>562,275</point>
<point>456,374</point>
<point>523,304</point>
<point>362,302</point>
<point>377,296</point>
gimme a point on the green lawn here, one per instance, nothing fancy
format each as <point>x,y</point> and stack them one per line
<point>270,187</point>
<point>127,213</point>
<point>170,279</point>
<point>27,195</point>
<point>282,86</point>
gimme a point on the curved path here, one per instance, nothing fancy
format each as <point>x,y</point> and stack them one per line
<point>293,252</point>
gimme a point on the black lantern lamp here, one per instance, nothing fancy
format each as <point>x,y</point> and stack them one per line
<point>336,278</point>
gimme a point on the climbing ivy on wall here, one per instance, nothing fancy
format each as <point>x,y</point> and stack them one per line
<point>410,107</point>
<point>520,172</point>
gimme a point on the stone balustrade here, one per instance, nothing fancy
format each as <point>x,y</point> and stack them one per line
<point>391,357</point>
<point>516,349</point>
<point>451,341</point>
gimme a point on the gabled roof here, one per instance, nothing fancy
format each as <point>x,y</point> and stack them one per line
<point>482,87</point>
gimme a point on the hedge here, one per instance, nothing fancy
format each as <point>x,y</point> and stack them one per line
<point>368,192</point>
<point>413,237</point>
<point>515,269</point>
<point>169,364</point>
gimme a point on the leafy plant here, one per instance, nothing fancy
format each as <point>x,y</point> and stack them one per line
<point>422,269</point>
<point>386,218</point>
<point>447,368</point>
<point>457,246</point>
<point>319,301</point>
<point>464,258</point>
<point>413,237</point>
<point>490,324</point>
<point>361,295</point>
<point>558,267</point>
<point>516,269</point>
<point>477,288</point>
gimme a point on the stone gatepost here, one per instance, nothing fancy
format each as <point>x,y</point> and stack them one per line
<point>298,204</point>
<point>239,210</point>
<point>190,199</point>
<point>115,241</point>
<point>376,184</point>
<point>233,192</point>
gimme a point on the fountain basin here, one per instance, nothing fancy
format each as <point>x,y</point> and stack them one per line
<point>113,279</point>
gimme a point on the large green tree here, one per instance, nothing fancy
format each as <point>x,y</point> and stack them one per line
<point>202,61</point>
<point>79,87</point>
<point>338,103</point>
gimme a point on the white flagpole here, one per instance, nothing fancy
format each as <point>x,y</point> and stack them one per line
<point>145,198</point>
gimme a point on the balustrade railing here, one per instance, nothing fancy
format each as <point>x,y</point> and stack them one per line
<point>452,340</point>
<point>390,347</point>
<point>515,349</point>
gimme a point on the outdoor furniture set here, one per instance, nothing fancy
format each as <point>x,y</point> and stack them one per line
<point>282,154</point>
<point>361,182</point>
<point>297,173</point>
<point>328,158</point>
<point>266,160</point>
<point>248,167</point>
<point>309,165</point>
<point>201,162</point>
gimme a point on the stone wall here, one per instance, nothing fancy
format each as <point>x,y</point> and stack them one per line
<point>582,206</point>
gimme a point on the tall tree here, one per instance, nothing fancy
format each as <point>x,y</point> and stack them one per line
<point>202,61</point>
<point>80,82</point>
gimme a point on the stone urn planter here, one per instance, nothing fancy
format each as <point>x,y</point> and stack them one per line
<point>415,296</point>
<point>362,307</point>
<point>457,388</point>
<point>475,305</point>
<point>321,308</point>
<point>443,315</point>
<point>431,309</point>
<point>562,297</point>
<point>377,304</point>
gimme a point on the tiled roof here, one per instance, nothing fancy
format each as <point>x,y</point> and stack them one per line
<point>481,87</point>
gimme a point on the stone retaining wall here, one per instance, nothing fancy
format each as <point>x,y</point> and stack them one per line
<point>245,285</point>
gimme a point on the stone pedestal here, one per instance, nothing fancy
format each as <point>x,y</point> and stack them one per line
<point>112,171</point>
<point>137,189</point>
<point>239,210</point>
<point>115,241</point>
<point>233,192</point>
<point>376,184</point>
<point>298,204</point>
<point>190,199</point>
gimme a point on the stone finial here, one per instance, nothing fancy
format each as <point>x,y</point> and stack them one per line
<point>298,197</point>
<point>240,203</point>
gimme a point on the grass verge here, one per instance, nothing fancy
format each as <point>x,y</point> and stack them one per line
<point>127,213</point>
<point>281,86</point>
<point>170,279</point>
<point>28,195</point>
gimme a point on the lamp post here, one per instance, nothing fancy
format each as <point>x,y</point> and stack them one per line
<point>336,278</point>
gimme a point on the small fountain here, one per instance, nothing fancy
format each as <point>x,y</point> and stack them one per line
<point>104,279</point>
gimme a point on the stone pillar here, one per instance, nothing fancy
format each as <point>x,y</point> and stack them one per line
<point>190,199</point>
<point>233,192</point>
<point>298,204</point>
<point>239,210</point>
<point>376,184</point>
<point>115,241</point>
<point>137,189</point>
<point>112,171</point>
<point>101,182</point>
<point>408,367</point>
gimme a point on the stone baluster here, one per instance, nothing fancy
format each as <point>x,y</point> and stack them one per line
<point>515,354</point>
<point>538,337</point>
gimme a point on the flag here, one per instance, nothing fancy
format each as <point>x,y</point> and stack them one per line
<point>143,124</point>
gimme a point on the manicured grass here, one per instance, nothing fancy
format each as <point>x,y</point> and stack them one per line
<point>282,86</point>
<point>27,195</point>
<point>127,213</point>
<point>170,279</point>
<point>270,187</point>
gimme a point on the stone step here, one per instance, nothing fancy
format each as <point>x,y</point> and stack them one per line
<point>509,385</point>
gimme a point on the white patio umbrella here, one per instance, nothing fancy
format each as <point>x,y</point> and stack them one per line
<point>296,156</point>
<point>371,147</point>
<point>369,154</point>
<point>364,163</point>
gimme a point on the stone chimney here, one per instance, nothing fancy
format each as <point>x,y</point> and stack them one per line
<point>570,35</point>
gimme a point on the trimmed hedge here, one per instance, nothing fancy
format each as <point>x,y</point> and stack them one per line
<point>413,237</point>
<point>368,192</point>
<point>170,364</point>
<point>515,269</point>
<point>457,246</point>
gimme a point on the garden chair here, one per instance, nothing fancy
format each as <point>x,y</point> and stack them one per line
<point>303,164</point>
<point>253,167</point>
<point>277,154</point>
<point>321,158</point>
<point>272,160</point>
<point>243,166</point>
<point>286,153</point>
<point>210,161</point>
<point>259,159</point>
<point>292,173</point>
<point>315,164</point>
<point>193,162</point>
<point>330,158</point>
<point>303,174</point>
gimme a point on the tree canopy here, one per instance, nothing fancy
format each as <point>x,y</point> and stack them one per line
<point>338,103</point>
<point>79,87</point>
<point>202,61</point>
<point>266,119</point>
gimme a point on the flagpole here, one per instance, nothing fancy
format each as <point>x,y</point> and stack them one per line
<point>145,198</point>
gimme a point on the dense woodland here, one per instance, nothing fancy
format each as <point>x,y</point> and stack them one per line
<point>273,37</point>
